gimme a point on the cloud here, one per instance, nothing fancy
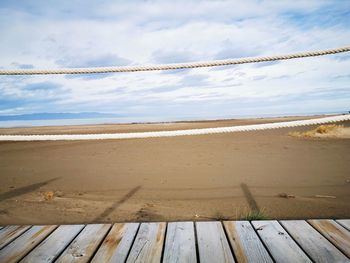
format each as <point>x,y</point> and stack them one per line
<point>23,66</point>
<point>101,60</point>
<point>194,80</point>
<point>232,49</point>
<point>42,86</point>
<point>165,57</point>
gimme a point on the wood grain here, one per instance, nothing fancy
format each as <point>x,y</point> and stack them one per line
<point>148,244</point>
<point>54,244</point>
<point>180,243</point>
<point>345,223</point>
<point>245,242</point>
<point>312,242</point>
<point>212,243</point>
<point>335,233</point>
<point>281,246</point>
<point>117,244</point>
<point>10,233</point>
<point>85,244</point>
<point>22,245</point>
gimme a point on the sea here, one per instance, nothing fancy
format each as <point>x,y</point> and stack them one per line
<point>146,119</point>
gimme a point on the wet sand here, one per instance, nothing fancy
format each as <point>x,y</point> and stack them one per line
<point>222,176</point>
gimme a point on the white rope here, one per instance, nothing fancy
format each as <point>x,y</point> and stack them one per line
<point>134,135</point>
<point>213,63</point>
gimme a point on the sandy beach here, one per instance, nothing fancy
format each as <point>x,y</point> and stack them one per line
<point>207,177</point>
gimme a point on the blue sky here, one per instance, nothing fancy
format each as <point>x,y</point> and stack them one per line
<point>55,34</point>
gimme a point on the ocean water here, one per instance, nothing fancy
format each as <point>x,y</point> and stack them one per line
<point>35,123</point>
<point>121,120</point>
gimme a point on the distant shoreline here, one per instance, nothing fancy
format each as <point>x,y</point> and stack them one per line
<point>145,120</point>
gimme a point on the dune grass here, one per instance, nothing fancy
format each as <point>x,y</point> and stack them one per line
<point>254,215</point>
<point>318,132</point>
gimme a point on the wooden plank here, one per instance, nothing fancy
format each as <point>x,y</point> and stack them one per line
<point>18,248</point>
<point>345,223</point>
<point>245,242</point>
<point>335,233</point>
<point>54,244</point>
<point>9,233</point>
<point>180,243</point>
<point>117,244</point>
<point>148,243</point>
<point>85,244</point>
<point>312,242</point>
<point>212,243</point>
<point>280,245</point>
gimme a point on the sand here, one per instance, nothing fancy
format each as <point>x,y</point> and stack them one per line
<point>208,177</point>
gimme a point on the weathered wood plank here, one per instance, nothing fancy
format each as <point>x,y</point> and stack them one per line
<point>85,244</point>
<point>345,223</point>
<point>9,233</point>
<point>245,242</point>
<point>281,246</point>
<point>117,244</point>
<point>18,248</point>
<point>312,242</point>
<point>180,243</point>
<point>212,243</point>
<point>148,244</point>
<point>54,244</point>
<point>335,233</point>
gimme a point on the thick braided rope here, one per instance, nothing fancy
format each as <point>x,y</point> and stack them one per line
<point>173,66</point>
<point>138,135</point>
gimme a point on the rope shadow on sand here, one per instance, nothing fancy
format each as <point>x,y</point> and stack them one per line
<point>25,189</point>
<point>115,205</point>
<point>253,205</point>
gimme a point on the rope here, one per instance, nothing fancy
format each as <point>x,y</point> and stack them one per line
<point>173,66</point>
<point>138,135</point>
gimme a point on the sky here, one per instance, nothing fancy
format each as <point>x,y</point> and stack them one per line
<point>56,34</point>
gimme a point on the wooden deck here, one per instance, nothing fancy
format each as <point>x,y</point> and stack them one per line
<point>228,241</point>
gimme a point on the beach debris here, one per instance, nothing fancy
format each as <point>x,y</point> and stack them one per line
<point>260,228</point>
<point>285,195</point>
<point>207,217</point>
<point>348,181</point>
<point>58,194</point>
<point>77,254</point>
<point>325,196</point>
<point>48,195</point>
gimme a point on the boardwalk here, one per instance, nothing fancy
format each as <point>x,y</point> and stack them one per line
<point>228,241</point>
